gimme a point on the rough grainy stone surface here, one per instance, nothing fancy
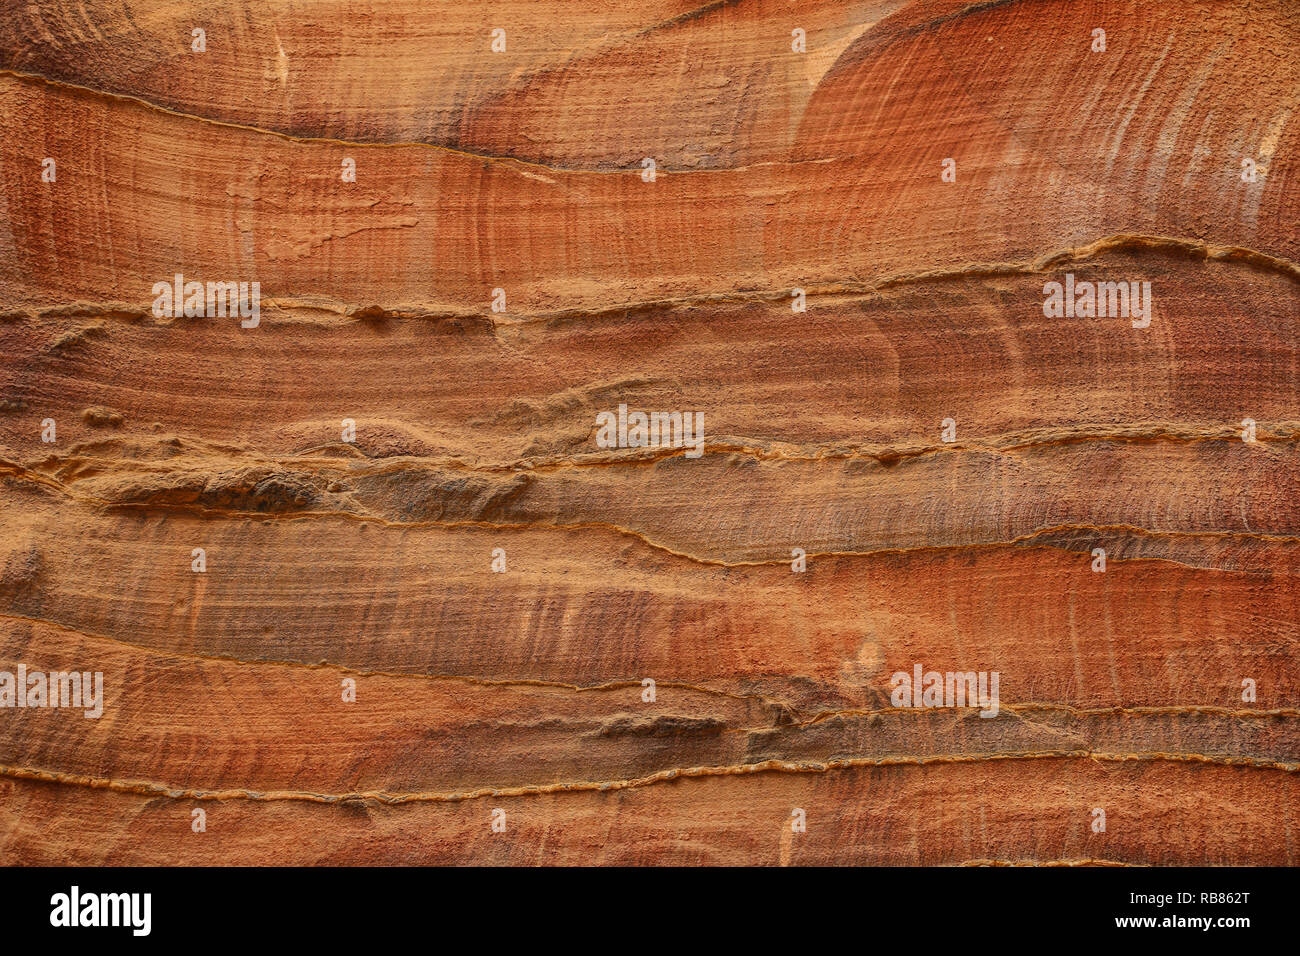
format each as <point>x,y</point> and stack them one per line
<point>1169,157</point>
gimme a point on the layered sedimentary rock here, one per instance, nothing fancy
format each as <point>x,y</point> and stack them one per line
<point>366,583</point>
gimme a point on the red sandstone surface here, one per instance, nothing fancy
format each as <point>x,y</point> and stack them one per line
<point>367,559</point>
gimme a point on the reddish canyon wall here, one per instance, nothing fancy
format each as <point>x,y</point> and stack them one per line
<point>396,474</point>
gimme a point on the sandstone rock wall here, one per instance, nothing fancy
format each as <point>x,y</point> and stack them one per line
<point>840,264</point>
